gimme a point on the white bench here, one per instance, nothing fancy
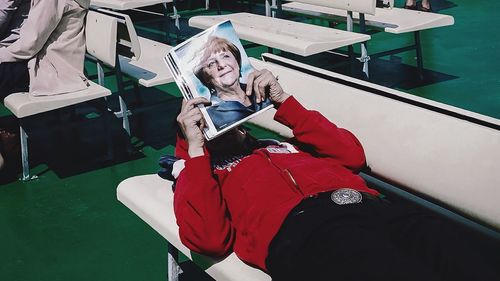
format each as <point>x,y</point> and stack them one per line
<point>24,105</point>
<point>390,20</point>
<point>360,6</point>
<point>295,37</point>
<point>148,70</point>
<point>409,141</point>
<point>140,58</point>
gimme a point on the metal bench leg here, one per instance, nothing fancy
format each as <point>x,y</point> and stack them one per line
<point>166,24</point>
<point>268,8</point>
<point>273,9</point>
<point>100,80</point>
<point>350,48</point>
<point>124,112</point>
<point>418,49</point>
<point>24,154</point>
<point>176,18</point>
<point>100,74</point>
<point>364,53</point>
<point>364,59</point>
<point>174,270</point>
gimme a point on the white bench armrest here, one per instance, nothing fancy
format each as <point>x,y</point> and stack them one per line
<point>24,104</point>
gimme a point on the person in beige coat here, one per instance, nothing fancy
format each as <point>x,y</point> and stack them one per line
<point>48,57</point>
<point>52,43</point>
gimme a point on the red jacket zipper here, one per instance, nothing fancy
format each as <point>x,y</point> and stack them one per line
<point>289,174</point>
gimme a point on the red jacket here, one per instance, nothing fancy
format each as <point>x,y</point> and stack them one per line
<point>242,206</point>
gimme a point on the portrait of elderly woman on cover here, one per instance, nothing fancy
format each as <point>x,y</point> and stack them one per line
<point>219,69</point>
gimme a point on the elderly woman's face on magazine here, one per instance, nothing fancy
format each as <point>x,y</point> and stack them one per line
<point>222,70</point>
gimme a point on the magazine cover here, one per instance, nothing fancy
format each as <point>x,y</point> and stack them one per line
<point>214,65</point>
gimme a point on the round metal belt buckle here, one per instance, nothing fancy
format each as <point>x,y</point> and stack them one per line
<point>345,196</point>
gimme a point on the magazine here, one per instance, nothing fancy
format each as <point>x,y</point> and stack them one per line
<point>214,65</point>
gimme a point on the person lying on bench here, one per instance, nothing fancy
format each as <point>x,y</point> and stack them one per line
<point>302,212</point>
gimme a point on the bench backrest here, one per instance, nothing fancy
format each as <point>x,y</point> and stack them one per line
<point>435,150</point>
<point>360,6</point>
<point>108,33</point>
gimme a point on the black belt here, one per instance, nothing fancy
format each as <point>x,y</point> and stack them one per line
<point>328,194</point>
<point>343,196</point>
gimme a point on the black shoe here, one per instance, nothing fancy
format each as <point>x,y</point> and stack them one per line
<point>424,9</point>
<point>411,7</point>
<point>381,4</point>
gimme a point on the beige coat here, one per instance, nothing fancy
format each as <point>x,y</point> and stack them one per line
<point>52,39</point>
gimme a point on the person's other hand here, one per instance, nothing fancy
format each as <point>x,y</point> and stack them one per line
<point>262,83</point>
<point>192,124</point>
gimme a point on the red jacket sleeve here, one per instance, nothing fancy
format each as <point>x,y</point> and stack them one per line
<point>200,210</point>
<point>328,140</point>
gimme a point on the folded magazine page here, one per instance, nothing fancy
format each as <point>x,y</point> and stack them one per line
<point>214,65</point>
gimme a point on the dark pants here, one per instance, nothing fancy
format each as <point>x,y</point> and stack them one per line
<point>377,240</point>
<point>14,77</point>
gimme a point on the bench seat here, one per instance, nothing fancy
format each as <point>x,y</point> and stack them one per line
<point>149,69</point>
<point>395,20</point>
<point>294,37</point>
<point>24,105</point>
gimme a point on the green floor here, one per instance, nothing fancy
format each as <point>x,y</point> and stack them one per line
<point>68,225</point>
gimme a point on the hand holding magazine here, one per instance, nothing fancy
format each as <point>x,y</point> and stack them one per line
<point>214,65</point>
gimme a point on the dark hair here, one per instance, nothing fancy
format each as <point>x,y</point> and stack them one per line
<point>214,45</point>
